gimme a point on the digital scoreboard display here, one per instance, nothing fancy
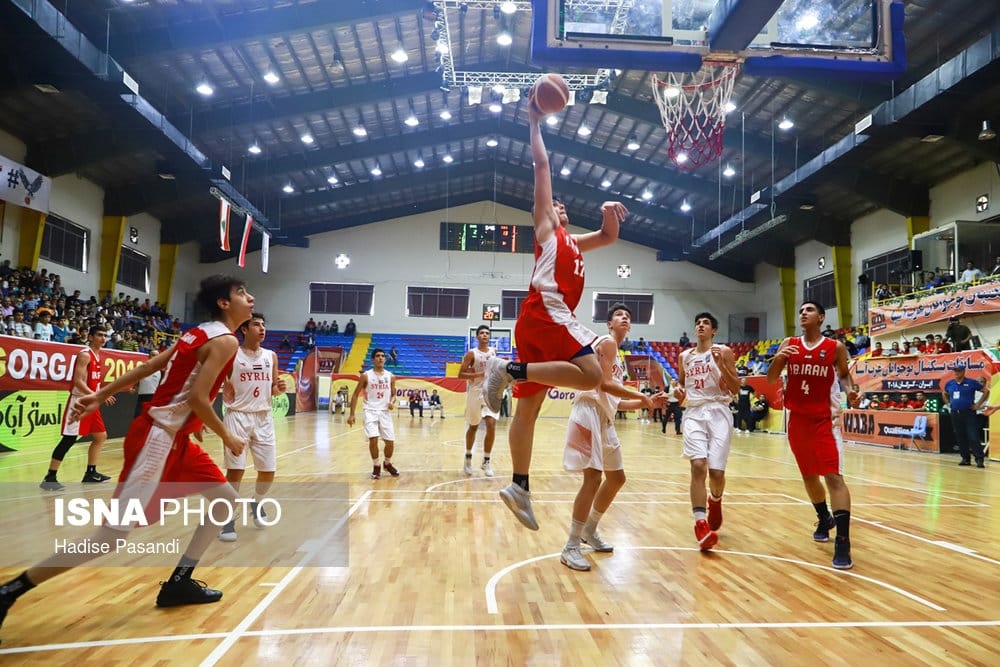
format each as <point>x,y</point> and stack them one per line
<point>481,237</point>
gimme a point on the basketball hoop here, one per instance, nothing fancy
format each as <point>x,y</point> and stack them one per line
<point>693,108</point>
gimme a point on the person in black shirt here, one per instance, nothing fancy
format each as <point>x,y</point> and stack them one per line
<point>744,401</point>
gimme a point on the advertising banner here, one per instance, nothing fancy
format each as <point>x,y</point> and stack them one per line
<point>934,307</point>
<point>886,427</point>
<point>920,373</point>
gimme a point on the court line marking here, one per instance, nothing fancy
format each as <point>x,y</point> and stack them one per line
<point>491,585</point>
<point>533,627</point>
<point>233,636</point>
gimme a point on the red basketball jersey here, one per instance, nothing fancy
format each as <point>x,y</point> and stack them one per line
<point>558,269</point>
<point>169,407</point>
<point>94,371</point>
<point>811,374</point>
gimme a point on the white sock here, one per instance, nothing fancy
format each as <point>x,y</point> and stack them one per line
<point>575,531</point>
<point>700,515</point>
<point>387,461</point>
<point>593,520</point>
<point>375,461</point>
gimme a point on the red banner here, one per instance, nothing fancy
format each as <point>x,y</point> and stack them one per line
<point>27,364</point>
<point>886,427</point>
<point>934,307</point>
<point>919,373</point>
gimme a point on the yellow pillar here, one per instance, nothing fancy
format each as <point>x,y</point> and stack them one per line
<point>112,235</point>
<point>789,304</point>
<point>32,229</point>
<point>842,281</point>
<point>165,281</point>
<point>917,224</point>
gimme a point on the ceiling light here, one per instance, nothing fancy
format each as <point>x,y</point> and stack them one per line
<point>271,78</point>
<point>786,124</point>
<point>504,39</point>
<point>411,121</point>
<point>807,206</point>
<point>496,107</point>
<point>442,47</point>
<point>729,172</point>
<point>419,163</point>
<point>46,88</point>
<point>360,131</point>
<point>307,139</point>
<point>681,158</point>
<point>289,188</point>
<point>448,159</point>
<point>205,89</point>
<point>508,7</point>
<point>492,142</point>
<point>685,206</point>
<point>565,171</point>
<point>583,131</point>
<point>552,121</point>
<point>605,183</point>
<point>376,170</point>
<point>931,138</point>
<point>400,55</point>
<point>730,106</point>
<point>672,92</point>
<point>254,149</point>
<point>332,179</point>
<point>445,115</point>
<point>633,143</point>
<point>987,133</point>
<point>647,195</point>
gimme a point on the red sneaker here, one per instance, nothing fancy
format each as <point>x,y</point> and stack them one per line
<point>377,472</point>
<point>706,536</point>
<point>391,469</point>
<point>714,513</point>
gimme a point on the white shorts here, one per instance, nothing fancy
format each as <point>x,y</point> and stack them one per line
<point>378,424</point>
<point>257,428</point>
<point>475,408</point>
<point>708,433</point>
<point>591,440</point>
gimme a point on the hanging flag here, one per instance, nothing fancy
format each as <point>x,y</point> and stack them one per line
<point>265,251</point>
<point>24,187</point>
<point>246,237</point>
<point>224,224</point>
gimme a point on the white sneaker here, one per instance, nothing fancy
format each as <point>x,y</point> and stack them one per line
<point>519,502</point>
<point>496,380</point>
<point>596,543</point>
<point>467,468</point>
<point>572,558</point>
<point>487,469</point>
<point>259,515</point>
<point>228,532</point>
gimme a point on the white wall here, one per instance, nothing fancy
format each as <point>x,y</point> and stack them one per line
<point>767,298</point>
<point>807,257</point>
<point>148,244</point>
<point>188,272</point>
<point>955,199</point>
<point>82,203</point>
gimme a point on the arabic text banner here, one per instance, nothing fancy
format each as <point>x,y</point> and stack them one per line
<point>920,373</point>
<point>934,307</point>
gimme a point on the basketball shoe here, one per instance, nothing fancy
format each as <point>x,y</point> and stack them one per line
<point>228,532</point>
<point>823,528</point>
<point>391,469</point>
<point>467,468</point>
<point>496,380</point>
<point>572,558</point>
<point>376,472</point>
<point>519,502</point>
<point>842,554</point>
<point>182,590</point>
<point>94,477</point>
<point>596,543</point>
<point>259,515</point>
<point>51,485</point>
<point>487,469</point>
<point>714,513</point>
<point>706,536</point>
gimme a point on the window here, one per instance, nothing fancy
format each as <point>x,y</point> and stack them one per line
<point>890,268</point>
<point>641,306</point>
<point>133,270</point>
<point>341,299</point>
<point>437,302</point>
<point>820,289</point>
<point>65,243</point>
<point>510,303</point>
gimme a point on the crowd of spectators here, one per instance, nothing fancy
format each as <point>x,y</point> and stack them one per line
<point>325,328</point>
<point>35,305</point>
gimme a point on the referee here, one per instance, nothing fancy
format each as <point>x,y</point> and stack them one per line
<point>960,394</point>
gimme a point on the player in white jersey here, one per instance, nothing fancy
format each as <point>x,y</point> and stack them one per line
<point>247,397</point>
<point>592,444</point>
<point>707,380</point>
<point>379,386</point>
<point>473,371</point>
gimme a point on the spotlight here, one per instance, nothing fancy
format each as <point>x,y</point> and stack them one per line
<point>289,188</point>
<point>332,179</point>
<point>584,131</point>
<point>729,172</point>
<point>565,171</point>
<point>205,89</point>
<point>307,139</point>
<point>504,39</point>
<point>730,106</point>
<point>492,142</point>
<point>254,149</point>
<point>376,170</point>
<point>605,183</point>
<point>786,124</point>
<point>400,55</point>
<point>681,158</point>
<point>552,121</point>
<point>419,162</point>
<point>271,78</point>
<point>360,131</point>
<point>685,206</point>
<point>411,120</point>
<point>987,133</point>
<point>647,195</point>
<point>448,159</point>
<point>445,114</point>
<point>508,7</point>
<point>633,143</point>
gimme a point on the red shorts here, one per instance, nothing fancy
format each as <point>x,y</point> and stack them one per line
<point>159,465</point>
<point>547,334</point>
<point>87,425</point>
<point>814,445</point>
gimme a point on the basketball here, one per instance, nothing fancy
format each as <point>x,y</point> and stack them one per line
<point>549,94</point>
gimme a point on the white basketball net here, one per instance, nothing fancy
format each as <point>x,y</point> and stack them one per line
<point>693,109</point>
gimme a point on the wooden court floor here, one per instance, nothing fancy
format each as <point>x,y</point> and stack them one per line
<point>441,574</point>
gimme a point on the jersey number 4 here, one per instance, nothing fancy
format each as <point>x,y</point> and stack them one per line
<point>805,387</point>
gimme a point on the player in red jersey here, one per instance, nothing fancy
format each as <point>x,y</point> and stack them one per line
<point>812,362</point>
<point>158,447</point>
<point>553,348</point>
<point>87,374</point>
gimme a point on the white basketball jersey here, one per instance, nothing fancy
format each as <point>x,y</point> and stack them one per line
<point>379,390</point>
<point>479,366</point>
<point>703,379</point>
<point>605,402</point>
<point>251,378</point>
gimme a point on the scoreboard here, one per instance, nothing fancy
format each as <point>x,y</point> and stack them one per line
<point>483,237</point>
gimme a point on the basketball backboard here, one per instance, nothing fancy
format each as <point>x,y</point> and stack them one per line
<point>833,38</point>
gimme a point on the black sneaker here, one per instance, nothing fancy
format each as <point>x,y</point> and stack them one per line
<point>980,463</point>
<point>965,463</point>
<point>822,533</point>
<point>186,591</point>
<point>51,485</point>
<point>391,469</point>
<point>94,477</point>
<point>376,472</point>
<point>842,554</point>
